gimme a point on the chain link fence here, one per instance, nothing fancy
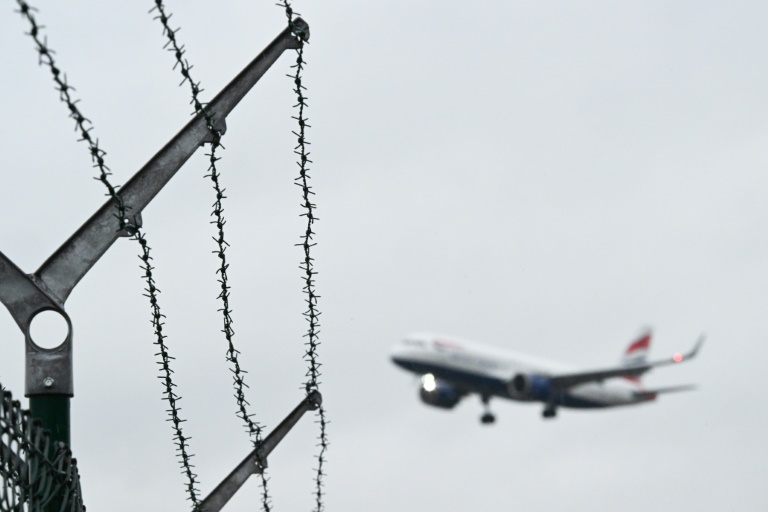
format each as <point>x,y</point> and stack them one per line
<point>34,473</point>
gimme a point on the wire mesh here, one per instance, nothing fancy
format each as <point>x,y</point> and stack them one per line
<point>34,472</point>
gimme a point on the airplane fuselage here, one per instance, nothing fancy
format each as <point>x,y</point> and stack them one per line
<point>489,372</point>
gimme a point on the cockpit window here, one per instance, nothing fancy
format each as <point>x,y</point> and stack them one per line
<point>415,343</point>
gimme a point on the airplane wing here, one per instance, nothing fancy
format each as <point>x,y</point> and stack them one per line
<point>651,393</point>
<point>572,379</point>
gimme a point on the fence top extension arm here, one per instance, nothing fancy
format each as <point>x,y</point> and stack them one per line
<point>256,461</point>
<point>49,371</point>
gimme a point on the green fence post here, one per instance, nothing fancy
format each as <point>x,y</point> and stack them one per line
<point>53,413</point>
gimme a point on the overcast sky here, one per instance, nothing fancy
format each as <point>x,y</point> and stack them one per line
<point>550,177</point>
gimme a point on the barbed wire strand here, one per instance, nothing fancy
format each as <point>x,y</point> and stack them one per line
<point>312,313</point>
<point>254,428</point>
<point>84,126</point>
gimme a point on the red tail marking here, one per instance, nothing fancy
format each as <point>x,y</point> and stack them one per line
<point>643,342</point>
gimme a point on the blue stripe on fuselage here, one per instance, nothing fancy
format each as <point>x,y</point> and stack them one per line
<point>471,382</point>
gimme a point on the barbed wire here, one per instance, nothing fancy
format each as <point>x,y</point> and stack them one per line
<point>84,126</point>
<point>34,471</point>
<point>166,372</point>
<point>312,313</point>
<point>254,428</point>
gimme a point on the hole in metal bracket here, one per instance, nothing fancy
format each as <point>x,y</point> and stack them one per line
<point>49,329</point>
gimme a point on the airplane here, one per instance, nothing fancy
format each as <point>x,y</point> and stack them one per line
<point>451,369</point>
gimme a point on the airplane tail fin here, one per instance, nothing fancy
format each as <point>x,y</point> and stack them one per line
<point>637,351</point>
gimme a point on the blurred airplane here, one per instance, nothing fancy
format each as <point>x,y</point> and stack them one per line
<point>451,369</point>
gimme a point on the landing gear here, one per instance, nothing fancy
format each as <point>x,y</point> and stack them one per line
<point>487,418</point>
<point>549,411</point>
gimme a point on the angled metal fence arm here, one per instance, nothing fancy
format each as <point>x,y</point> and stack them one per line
<point>67,266</point>
<point>256,461</point>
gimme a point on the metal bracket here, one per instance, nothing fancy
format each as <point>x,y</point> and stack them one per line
<point>49,371</point>
<point>256,461</point>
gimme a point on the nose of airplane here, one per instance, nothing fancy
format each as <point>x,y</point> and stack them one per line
<point>403,354</point>
<point>414,347</point>
<point>407,351</point>
<point>397,353</point>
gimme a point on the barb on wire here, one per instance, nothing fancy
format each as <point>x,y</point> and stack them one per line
<point>34,472</point>
<point>84,126</point>
<point>312,313</point>
<point>254,428</point>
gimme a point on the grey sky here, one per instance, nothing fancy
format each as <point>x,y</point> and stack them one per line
<point>548,177</point>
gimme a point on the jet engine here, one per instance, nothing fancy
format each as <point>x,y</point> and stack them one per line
<point>525,386</point>
<point>439,393</point>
